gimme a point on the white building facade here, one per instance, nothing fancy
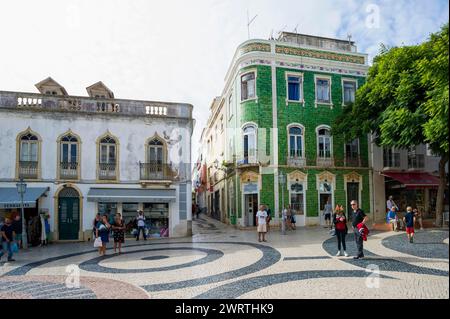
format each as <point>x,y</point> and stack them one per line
<point>85,155</point>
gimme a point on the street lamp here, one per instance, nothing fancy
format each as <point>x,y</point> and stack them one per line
<point>21,189</point>
<point>282,181</point>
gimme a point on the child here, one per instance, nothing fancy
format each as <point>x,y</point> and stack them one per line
<point>409,220</point>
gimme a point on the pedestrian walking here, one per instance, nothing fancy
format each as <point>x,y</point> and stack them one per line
<point>269,216</point>
<point>288,218</point>
<point>8,235</point>
<point>409,221</point>
<point>261,223</point>
<point>17,225</point>
<point>327,210</point>
<point>141,225</point>
<point>358,218</point>
<point>103,229</point>
<point>340,227</point>
<point>118,232</point>
<point>283,220</point>
<point>418,216</point>
<point>293,219</point>
<point>96,220</point>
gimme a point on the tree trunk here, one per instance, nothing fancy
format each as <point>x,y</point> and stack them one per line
<point>441,189</point>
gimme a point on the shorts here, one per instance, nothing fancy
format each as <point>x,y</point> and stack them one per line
<point>262,228</point>
<point>18,237</point>
<point>327,216</point>
<point>410,230</point>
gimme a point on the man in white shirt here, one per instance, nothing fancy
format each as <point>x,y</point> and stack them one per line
<point>390,203</point>
<point>261,222</point>
<point>283,220</point>
<point>141,225</point>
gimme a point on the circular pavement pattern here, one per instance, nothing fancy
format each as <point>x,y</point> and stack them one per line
<point>426,244</point>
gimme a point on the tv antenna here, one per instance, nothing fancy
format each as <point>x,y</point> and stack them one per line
<point>249,22</point>
<point>295,29</point>
<point>349,37</point>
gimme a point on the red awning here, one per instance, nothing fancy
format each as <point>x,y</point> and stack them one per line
<point>414,180</point>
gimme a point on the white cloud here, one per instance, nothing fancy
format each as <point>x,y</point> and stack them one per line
<point>178,50</point>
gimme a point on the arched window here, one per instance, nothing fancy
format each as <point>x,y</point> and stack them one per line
<point>295,141</point>
<point>107,158</point>
<point>249,134</point>
<point>156,151</point>
<point>69,156</point>
<point>324,142</point>
<point>28,155</point>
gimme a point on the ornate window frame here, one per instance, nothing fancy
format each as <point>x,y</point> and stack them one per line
<point>58,156</point>
<point>39,153</point>
<point>320,127</point>
<point>241,75</point>
<point>98,150</point>
<point>287,74</point>
<point>289,139</point>
<point>342,86</point>
<point>323,77</point>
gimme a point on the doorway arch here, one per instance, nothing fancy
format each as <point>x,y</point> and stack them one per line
<point>68,210</point>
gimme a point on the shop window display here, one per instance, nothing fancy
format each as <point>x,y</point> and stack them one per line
<point>157,219</point>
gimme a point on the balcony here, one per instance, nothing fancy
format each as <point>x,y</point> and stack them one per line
<point>107,171</point>
<point>247,161</point>
<point>325,161</point>
<point>68,170</point>
<point>296,161</point>
<point>416,162</point>
<point>28,170</point>
<point>156,172</point>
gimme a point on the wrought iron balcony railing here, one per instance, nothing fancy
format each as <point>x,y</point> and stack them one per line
<point>107,171</point>
<point>68,170</point>
<point>154,171</point>
<point>28,169</point>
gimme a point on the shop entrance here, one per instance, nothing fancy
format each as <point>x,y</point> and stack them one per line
<point>68,214</point>
<point>251,208</point>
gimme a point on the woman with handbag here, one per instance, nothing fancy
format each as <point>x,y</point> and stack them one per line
<point>119,232</point>
<point>340,226</point>
<point>102,232</point>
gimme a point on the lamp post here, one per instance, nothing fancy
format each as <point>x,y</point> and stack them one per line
<point>282,181</point>
<point>21,189</point>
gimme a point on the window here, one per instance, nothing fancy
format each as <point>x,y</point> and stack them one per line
<point>294,88</point>
<point>352,153</point>
<point>69,155</point>
<point>107,157</point>
<point>391,158</point>
<point>295,141</point>
<point>249,132</point>
<point>155,151</point>
<point>323,90</point>
<point>349,88</point>
<point>248,86</point>
<point>28,156</point>
<point>415,160</point>
<point>29,148</point>
<point>324,143</point>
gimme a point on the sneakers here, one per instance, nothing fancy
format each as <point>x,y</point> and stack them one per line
<point>345,254</point>
<point>411,240</point>
<point>11,259</point>
<point>339,253</point>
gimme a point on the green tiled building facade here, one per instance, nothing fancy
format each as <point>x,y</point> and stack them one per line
<point>281,99</point>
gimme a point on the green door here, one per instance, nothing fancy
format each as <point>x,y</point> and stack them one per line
<point>69,218</point>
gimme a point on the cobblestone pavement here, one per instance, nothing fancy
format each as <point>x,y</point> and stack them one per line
<point>222,262</point>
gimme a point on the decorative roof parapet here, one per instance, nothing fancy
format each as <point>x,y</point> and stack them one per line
<point>117,107</point>
<point>317,54</point>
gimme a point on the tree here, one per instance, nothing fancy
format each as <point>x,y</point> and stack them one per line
<point>404,102</point>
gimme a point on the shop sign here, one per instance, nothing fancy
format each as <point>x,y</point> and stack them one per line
<point>16,205</point>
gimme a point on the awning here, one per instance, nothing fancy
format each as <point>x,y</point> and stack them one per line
<point>414,180</point>
<point>10,198</point>
<point>131,195</point>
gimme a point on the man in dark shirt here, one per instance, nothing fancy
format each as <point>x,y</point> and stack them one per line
<point>358,217</point>
<point>8,234</point>
<point>17,226</point>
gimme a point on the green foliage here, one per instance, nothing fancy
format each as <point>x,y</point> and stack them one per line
<point>405,99</point>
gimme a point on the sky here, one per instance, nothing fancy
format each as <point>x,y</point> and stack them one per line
<point>177,50</point>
